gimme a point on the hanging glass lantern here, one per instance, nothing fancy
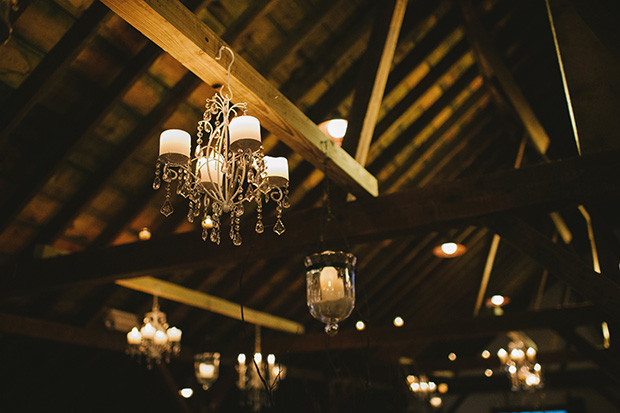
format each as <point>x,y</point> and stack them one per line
<point>207,368</point>
<point>330,287</point>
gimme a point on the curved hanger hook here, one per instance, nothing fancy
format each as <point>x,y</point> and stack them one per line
<point>218,57</point>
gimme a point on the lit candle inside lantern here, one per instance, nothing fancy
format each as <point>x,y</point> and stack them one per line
<point>244,133</point>
<point>174,334</point>
<point>134,336</point>
<point>332,287</point>
<point>210,169</point>
<point>206,371</point>
<point>174,145</point>
<point>148,331</point>
<point>277,170</point>
<point>160,337</point>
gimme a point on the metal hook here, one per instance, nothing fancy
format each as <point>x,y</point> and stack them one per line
<point>218,57</point>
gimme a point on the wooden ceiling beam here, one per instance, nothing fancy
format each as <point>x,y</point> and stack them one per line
<point>208,302</point>
<point>597,288</point>
<point>457,330</point>
<point>373,78</point>
<point>538,188</point>
<point>179,32</point>
<point>491,62</point>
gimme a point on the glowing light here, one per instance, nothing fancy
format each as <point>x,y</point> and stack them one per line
<point>398,322</point>
<point>186,392</point>
<point>488,372</point>
<point>486,354</point>
<point>241,358</point>
<point>360,325</point>
<point>337,128</point>
<point>435,401</point>
<point>144,234</point>
<point>271,359</point>
<point>258,357</point>
<point>451,356</point>
<point>497,300</point>
<point>512,370</point>
<point>442,388</point>
<point>449,248</point>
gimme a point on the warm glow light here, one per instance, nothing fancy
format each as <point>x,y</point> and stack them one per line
<point>332,286</point>
<point>186,392</point>
<point>452,356</point>
<point>410,378</point>
<point>174,334</point>
<point>271,359</point>
<point>148,331</point>
<point>488,372</point>
<point>449,248</point>
<point>360,325</point>
<point>531,352</point>
<point>160,337</point>
<point>241,358</point>
<point>398,322</point>
<point>432,386</point>
<point>486,354</point>
<point>532,380</point>
<point>206,370</point>
<point>512,369</point>
<point>517,354</point>
<point>537,367</point>
<point>134,336</point>
<point>435,401</point>
<point>337,128</point>
<point>415,386</point>
<point>501,353</point>
<point>258,357</point>
<point>497,300</point>
<point>144,234</point>
<point>207,222</point>
<point>175,143</point>
<point>442,388</point>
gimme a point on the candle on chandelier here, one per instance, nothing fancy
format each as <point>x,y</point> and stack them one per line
<point>174,146</point>
<point>174,334</point>
<point>332,287</point>
<point>134,336</point>
<point>277,170</point>
<point>210,170</point>
<point>160,337</point>
<point>148,331</point>
<point>206,371</point>
<point>244,133</point>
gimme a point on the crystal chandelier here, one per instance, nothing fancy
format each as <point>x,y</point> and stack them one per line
<point>330,287</point>
<point>521,366</point>
<point>207,368</point>
<point>155,340</point>
<point>227,168</point>
<point>255,392</point>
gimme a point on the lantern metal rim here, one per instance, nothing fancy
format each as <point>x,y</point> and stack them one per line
<point>330,258</point>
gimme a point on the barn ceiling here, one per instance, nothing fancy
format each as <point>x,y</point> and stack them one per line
<point>473,142</point>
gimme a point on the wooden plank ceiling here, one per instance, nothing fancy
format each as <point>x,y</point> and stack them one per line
<point>473,89</point>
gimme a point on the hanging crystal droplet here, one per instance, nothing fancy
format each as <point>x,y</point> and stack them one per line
<point>239,210</point>
<point>205,234</point>
<point>156,183</point>
<point>166,208</point>
<point>260,227</point>
<point>190,213</point>
<point>279,228</point>
<point>236,240</point>
<point>285,202</point>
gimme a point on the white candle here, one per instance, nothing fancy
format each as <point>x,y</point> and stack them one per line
<point>160,337</point>
<point>277,170</point>
<point>174,145</point>
<point>148,331</point>
<point>210,169</point>
<point>206,371</point>
<point>244,133</point>
<point>174,334</point>
<point>332,287</point>
<point>134,336</point>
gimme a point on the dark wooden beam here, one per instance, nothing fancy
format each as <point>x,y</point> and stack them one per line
<point>45,75</point>
<point>456,330</point>
<point>373,78</point>
<point>184,36</point>
<point>543,188</point>
<point>597,288</point>
<point>493,64</point>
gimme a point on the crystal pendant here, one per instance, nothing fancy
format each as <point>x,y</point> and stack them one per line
<point>205,234</point>
<point>279,228</point>
<point>156,183</point>
<point>166,208</point>
<point>236,239</point>
<point>259,227</point>
<point>331,329</point>
<point>190,213</point>
<point>215,236</point>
